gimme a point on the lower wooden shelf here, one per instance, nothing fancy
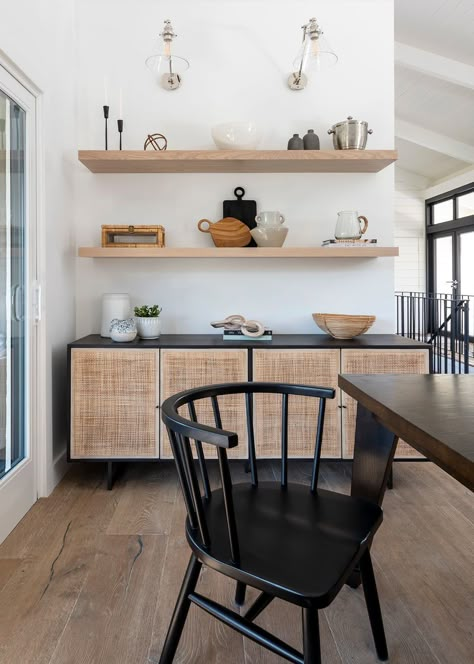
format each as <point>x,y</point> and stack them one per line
<point>238,252</point>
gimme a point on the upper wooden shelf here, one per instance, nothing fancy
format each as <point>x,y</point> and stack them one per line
<point>238,252</point>
<point>237,161</point>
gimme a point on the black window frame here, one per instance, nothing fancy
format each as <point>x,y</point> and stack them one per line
<point>446,227</point>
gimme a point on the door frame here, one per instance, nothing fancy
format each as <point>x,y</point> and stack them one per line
<point>453,227</point>
<point>37,392</point>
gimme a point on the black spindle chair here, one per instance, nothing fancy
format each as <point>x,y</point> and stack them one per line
<point>300,544</point>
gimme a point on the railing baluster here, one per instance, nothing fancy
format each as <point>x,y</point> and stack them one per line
<point>442,320</point>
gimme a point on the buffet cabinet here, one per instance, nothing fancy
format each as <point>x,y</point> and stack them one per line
<point>116,391</point>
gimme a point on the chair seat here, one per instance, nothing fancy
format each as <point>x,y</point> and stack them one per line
<point>293,544</point>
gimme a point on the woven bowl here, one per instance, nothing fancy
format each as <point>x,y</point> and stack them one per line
<point>343,326</point>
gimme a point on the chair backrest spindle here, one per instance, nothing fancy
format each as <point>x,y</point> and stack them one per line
<point>318,444</point>
<point>229,504</point>
<point>217,412</point>
<point>182,476</point>
<point>284,440</point>
<point>195,490</point>
<point>200,454</point>
<point>251,438</point>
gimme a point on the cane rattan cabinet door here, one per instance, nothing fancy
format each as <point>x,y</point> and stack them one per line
<point>305,367</point>
<point>377,362</point>
<point>183,369</point>
<point>114,398</point>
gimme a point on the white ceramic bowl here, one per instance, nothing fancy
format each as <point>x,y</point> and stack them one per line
<point>235,136</point>
<point>273,236</point>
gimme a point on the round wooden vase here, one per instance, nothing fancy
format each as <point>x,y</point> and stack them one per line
<point>228,232</point>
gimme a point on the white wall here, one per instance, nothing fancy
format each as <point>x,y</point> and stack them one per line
<point>39,38</point>
<point>240,54</point>
<point>409,232</point>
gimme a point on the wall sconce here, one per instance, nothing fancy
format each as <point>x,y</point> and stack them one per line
<point>166,67</point>
<point>314,54</point>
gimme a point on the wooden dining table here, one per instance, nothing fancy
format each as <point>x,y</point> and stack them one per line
<point>433,413</point>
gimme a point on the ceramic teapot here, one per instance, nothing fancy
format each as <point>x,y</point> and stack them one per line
<point>350,225</point>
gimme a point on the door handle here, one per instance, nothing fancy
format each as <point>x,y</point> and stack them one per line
<point>16,301</point>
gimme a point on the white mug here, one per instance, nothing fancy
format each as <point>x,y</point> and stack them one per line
<point>269,218</point>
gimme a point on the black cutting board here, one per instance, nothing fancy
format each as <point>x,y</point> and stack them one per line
<point>244,211</point>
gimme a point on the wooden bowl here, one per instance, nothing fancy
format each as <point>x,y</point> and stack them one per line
<point>342,326</point>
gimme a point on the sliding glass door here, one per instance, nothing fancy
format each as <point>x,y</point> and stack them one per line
<point>17,274</point>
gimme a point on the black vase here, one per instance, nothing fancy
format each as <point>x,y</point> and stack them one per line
<point>311,140</point>
<point>295,143</point>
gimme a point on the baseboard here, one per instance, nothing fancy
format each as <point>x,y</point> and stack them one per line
<point>55,474</point>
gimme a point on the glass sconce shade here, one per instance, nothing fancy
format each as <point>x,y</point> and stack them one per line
<point>166,66</point>
<point>167,69</point>
<point>315,54</point>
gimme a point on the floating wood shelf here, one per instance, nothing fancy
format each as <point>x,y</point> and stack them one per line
<point>245,252</point>
<point>237,161</point>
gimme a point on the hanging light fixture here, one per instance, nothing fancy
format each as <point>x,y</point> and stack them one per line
<point>167,67</point>
<point>314,54</point>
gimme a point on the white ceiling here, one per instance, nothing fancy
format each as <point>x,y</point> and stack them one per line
<point>434,104</point>
<point>429,163</point>
<point>444,28</point>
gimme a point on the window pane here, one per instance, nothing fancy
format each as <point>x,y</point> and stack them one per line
<point>467,273</point>
<point>465,205</point>
<point>444,264</point>
<point>12,285</point>
<point>443,212</point>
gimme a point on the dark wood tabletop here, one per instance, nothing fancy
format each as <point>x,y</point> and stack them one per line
<point>433,413</point>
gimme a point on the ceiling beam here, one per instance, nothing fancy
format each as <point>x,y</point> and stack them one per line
<point>434,65</point>
<point>433,141</point>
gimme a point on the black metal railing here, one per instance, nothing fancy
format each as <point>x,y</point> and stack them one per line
<point>445,322</point>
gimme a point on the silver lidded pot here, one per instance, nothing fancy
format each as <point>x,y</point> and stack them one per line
<point>350,134</point>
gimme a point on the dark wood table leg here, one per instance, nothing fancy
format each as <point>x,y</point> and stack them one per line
<point>374,450</point>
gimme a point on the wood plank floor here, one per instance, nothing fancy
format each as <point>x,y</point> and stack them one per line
<point>91,576</point>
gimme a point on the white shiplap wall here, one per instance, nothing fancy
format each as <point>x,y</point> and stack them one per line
<point>409,231</point>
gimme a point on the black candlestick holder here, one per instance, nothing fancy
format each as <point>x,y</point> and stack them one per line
<point>120,130</point>
<point>106,117</point>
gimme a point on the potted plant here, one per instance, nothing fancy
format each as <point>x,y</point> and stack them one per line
<point>147,318</point>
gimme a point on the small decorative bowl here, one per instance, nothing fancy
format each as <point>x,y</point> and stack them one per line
<point>343,326</point>
<point>123,331</point>
<point>271,236</point>
<point>235,136</point>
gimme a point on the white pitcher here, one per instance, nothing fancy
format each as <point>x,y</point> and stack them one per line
<point>350,226</point>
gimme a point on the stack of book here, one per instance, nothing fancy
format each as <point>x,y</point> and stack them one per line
<point>238,335</point>
<point>348,243</point>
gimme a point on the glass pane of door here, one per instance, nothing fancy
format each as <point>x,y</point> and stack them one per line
<point>465,205</point>
<point>443,211</point>
<point>466,272</point>
<point>13,262</point>
<point>443,254</point>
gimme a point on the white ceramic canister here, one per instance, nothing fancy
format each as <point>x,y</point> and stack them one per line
<point>114,305</point>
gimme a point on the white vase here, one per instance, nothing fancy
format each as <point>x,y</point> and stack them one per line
<point>148,328</point>
<point>114,305</point>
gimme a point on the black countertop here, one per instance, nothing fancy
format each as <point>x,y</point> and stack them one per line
<point>388,341</point>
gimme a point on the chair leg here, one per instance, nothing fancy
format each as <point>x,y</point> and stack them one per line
<point>311,644</point>
<point>240,593</point>
<point>373,606</point>
<point>181,611</point>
